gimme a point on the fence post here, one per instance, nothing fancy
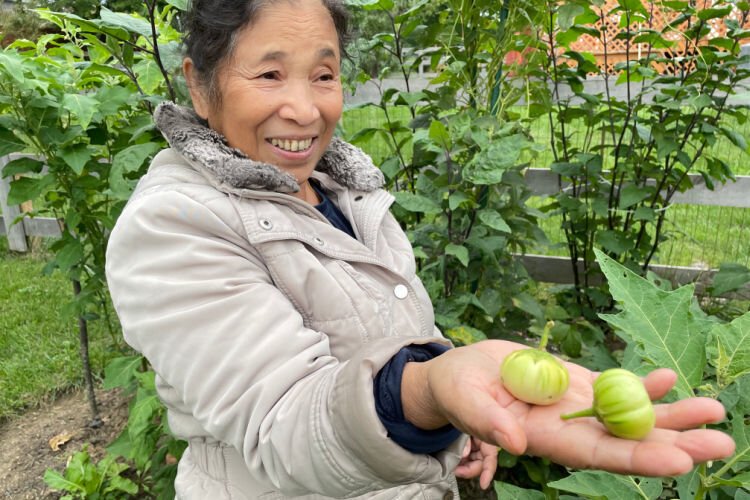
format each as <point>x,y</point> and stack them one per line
<point>16,233</point>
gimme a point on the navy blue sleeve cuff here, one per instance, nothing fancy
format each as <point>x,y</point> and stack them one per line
<point>387,388</point>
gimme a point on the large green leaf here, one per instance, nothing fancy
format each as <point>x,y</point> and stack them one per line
<point>662,324</point>
<point>416,202</point>
<point>29,188</point>
<point>729,278</point>
<point>126,21</point>
<point>56,481</point>
<point>729,349</point>
<point>76,156</point>
<point>687,484</point>
<point>741,436</point>
<point>505,490</point>
<point>120,372</point>
<point>458,251</point>
<point>128,160</point>
<point>494,220</point>
<point>599,484</point>
<point>9,143</point>
<point>82,106</point>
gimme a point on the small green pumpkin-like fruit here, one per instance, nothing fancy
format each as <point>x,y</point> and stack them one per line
<point>534,375</point>
<point>622,404</point>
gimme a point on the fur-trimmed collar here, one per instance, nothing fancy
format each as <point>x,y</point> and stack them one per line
<point>208,151</point>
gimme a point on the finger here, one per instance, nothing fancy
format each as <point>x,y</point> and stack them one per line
<point>467,448</point>
<point>489,466</point>
<point>492,423</point>
<point>663,452</point>
<point>701,445</point>
<point>659,382</point>
<point>468,469</point>
<point>689,413</point>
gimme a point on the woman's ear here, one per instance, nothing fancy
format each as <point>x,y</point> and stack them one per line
<point>200,103</point>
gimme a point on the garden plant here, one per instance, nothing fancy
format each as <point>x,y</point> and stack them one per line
<point>454,156</point>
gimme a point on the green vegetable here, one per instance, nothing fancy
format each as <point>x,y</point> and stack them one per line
<point>622,404</point>
<point>534,375</point>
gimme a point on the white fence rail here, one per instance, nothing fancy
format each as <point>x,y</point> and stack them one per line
<point>540,181</point>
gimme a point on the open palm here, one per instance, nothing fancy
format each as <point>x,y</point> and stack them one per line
<point>474,400</point>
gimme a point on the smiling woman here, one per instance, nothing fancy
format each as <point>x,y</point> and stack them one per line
<point>259,270</point>
<point>281,94</point>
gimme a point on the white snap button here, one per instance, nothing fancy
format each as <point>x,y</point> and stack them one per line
<point>266,224</point>
<point>400,291</point>
<point>318,241</point>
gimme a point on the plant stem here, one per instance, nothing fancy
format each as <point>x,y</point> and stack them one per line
<point>545,335</point>
<point>88,378</point>
<point>583,413</point>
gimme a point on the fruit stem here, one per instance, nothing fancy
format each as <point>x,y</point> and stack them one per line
<point>545,335</point>
<point>583,413</point>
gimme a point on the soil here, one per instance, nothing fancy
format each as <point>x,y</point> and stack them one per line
<point>25,451</point>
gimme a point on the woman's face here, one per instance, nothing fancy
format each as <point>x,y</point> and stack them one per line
<point>281,94</point>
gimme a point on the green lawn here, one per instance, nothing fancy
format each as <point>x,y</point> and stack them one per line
<point>39,348</point>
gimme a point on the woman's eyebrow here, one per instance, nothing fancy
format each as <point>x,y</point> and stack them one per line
<point>278,55</point>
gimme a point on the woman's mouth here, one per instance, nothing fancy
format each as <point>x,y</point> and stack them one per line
<point>292,145</point>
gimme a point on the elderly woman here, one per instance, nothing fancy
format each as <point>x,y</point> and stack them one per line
<point>258,269</point>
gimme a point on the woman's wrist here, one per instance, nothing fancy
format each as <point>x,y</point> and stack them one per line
<point>419,405</point>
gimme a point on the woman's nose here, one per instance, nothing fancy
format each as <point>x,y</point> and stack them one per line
<point>300,104</point>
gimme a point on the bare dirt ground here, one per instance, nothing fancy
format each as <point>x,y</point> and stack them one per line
<point>25,451</point>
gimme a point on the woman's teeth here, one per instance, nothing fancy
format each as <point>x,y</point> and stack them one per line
<point>292,145</point>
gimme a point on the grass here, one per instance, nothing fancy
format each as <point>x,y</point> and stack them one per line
<point>39,348</point>
<point>698,235</point>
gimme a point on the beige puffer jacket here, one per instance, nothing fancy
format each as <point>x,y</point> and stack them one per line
<point>266,325</point>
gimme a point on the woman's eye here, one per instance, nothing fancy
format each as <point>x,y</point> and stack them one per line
<point>326,77</point>
<point>269,75</point>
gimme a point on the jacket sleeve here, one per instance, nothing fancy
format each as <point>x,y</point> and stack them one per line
<point>199,304</point>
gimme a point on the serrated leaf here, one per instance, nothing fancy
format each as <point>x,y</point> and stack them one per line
<point>494,220</point>
<point>120,372</point>
<point>76,157</point>
<point>458,251</point>
<point>741,436</point>
<point>662,324</point>
<point>119,483</point>
<point>416,202</point>
<point>614,241</point>
<point>128,160</point>
<point>56,481</point>
<point>601,484</point>
<point>505,490</point>
<point>149,75</point>
<point>141,415</point>
<point>729,349</point>
<point>730,277</point>
<point>687,484</point>
<point>81,106</point>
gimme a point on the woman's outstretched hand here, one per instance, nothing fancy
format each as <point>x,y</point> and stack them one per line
<point>463,387</point>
